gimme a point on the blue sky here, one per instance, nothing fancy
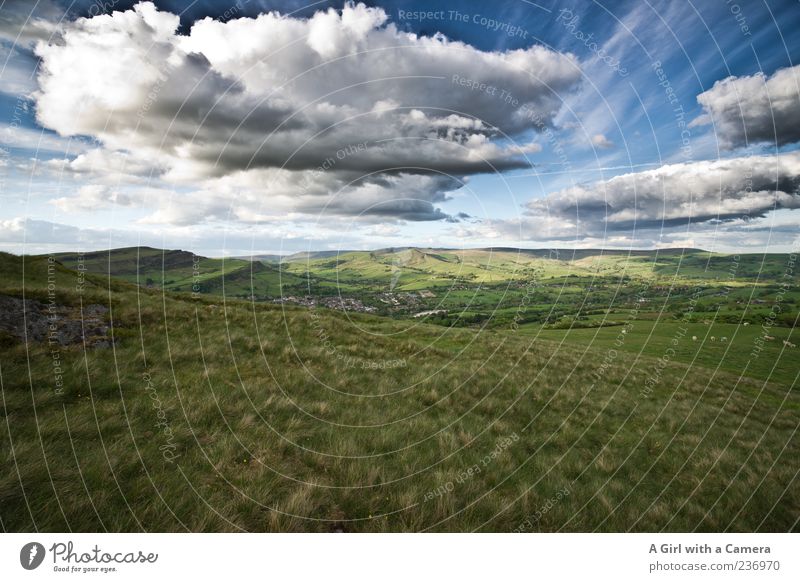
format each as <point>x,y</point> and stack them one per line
<point>555,124</point>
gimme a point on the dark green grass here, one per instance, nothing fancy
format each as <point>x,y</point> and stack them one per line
<point>282,419</point>
<point>186,272</point>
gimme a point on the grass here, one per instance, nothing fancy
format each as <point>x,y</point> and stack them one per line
<point>183,271</point>
<point>211,414</point>
<point>737,355</point>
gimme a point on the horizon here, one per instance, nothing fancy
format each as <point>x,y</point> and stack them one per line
<point>256,254</point>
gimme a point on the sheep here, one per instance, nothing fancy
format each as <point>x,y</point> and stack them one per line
<point>713,339</point>
<point>788,344</point>
<point>723,339</point>
<point>694,338</point>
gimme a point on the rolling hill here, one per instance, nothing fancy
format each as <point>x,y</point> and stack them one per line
<point>183,271</point>
<point>581,297</point>
<point>205,414</point>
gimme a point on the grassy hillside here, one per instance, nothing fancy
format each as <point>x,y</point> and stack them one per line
<point>418,267</point>
<point>580,297</point>
<point>183,271</point>
<point>210,414</point>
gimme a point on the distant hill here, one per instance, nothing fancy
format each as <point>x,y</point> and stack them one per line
<point>414,268</point>
<point>183,271</point>
<point>261,258</point>
<point>312,255</point>
<point>129,261</point>
<point>552,253</point>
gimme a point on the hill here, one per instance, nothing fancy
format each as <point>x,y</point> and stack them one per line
<point>732,309</point>
<point>208,415</point>
<point>183,271</point>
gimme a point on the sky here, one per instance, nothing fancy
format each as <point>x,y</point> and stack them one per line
<point>256,126</point>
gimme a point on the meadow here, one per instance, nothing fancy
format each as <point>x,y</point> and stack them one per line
<point>213,413</point>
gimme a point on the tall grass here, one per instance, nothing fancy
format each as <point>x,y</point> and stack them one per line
<point>213,415</point>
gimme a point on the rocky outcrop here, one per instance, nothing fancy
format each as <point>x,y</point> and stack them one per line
<point>32,320</point>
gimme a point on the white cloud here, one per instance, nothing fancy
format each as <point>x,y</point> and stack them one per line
<point>680,193</point>
<point>753,109</point>
<point>601,141</point>
<point>92,197</point>
<point>239,196</point>
<point>761,234</point>
<point>382,230</point>
<point>281,93</point>
<point>101,165</point>
<point>731,196</point>
<point>38,141</point>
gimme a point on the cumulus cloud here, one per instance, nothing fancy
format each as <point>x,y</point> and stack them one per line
<point>734,192</point>
<point>240,196</point>
<point>101,165</point>
<point>757,235</point>
<point>680,193</point>
<point>754,109</point>
<point>345,89</point>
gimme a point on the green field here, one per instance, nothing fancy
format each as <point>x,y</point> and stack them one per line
<point>573,297</point>
<point>774,362</point>
<point>210,413</point>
